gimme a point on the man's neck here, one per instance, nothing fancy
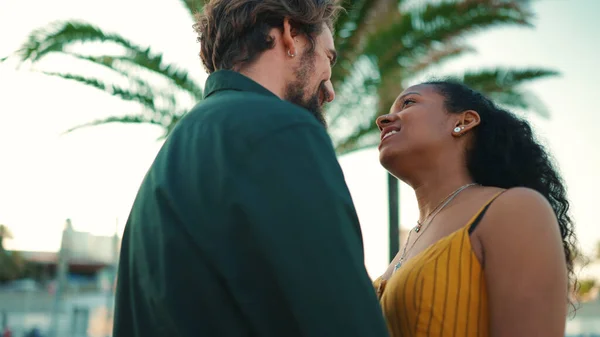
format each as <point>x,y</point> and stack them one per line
<point>265,76</point>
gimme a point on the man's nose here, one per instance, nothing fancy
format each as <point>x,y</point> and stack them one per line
<point>329,92</point>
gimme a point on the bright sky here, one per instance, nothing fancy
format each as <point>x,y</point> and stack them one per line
<point>92,175</point>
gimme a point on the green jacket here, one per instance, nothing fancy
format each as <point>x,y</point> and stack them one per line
<point>244,226</point>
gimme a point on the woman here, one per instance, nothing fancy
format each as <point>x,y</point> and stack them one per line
<point>491,253</point>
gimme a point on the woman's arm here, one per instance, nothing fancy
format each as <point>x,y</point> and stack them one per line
<point>524,265</point>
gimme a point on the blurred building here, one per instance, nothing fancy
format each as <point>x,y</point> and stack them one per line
<point>89,258</point>
<point>71,292</point>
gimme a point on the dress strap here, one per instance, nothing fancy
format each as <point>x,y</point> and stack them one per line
<point>477,218</point>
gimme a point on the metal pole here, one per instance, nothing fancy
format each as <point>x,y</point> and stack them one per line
<point>61,278</point>
<point>394,216</point>
<point>110,294</point>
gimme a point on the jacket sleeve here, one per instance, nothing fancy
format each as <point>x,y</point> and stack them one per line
<point>307,232</point>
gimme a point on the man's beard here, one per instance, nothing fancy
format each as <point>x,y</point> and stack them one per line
<point>295,91</point>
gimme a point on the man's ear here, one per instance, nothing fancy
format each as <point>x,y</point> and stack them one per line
<point>288,38</point>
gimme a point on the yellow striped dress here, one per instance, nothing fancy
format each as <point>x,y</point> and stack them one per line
<point>440,292</point>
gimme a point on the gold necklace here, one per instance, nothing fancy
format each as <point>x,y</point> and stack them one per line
<point>417,228</point>
<point>428,221</point>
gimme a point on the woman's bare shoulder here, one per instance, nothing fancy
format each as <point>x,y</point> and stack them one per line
<point>519,215</point>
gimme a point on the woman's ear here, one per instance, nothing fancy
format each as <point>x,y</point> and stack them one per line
<point>467,121</point>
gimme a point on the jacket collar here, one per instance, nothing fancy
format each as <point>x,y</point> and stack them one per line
<point>230,80</point>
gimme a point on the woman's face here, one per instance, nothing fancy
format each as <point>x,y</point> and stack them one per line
<point>418,128</point>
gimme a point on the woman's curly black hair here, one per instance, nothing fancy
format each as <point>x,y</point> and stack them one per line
<point>505,153</point>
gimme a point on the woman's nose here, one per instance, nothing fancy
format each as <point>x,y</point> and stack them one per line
<point>384,120</point>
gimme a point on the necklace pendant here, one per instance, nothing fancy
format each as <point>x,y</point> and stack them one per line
<point>397,266</point>
<point>417,229</point>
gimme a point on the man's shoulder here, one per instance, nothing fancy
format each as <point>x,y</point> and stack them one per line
<point>238,121</point>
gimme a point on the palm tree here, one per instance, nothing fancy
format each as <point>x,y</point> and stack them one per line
<point>382,45</point>
<point>164,91</point>
<point>4,234</point>
<point>585,289</point>
<point>11,263</point>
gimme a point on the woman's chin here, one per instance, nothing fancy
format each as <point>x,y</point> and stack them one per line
<point>392,158</point>
<point>387,157</point>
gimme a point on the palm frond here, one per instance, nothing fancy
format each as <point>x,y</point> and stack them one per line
<point>352,30</point>
<point>144,99</point>
<point>420,28</point>
<point>346,17</point>
<point>149,62</point>
<point>5,232</point>
<point>362,137</point>
<point>341,151</point>
<point>503,85</point>
<point>108,62</point>
<point>499,79</point>
<point>174,119</point>
<point>392,84</point>
<point>436,55</point>
<point>384,89</point>
<point>57,36</point>
<point>139,85</point>
<point>154,63</point>
<point>535,104</point>
<point>351,24</point>
<point>354,91</point>
<point>129,119</point>
<point>521,100</point>
<point>193,6</point>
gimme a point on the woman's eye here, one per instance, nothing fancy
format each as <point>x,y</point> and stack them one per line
<point>407,102</point>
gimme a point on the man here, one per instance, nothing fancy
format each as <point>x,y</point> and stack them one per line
<point>243,225</point>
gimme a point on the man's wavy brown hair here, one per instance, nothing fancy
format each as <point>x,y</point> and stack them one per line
<point>233,33</point>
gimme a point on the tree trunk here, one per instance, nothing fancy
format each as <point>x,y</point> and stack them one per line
<point>394,215</point>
